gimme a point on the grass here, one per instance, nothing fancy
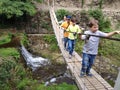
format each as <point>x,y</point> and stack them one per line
<point>50,39</point>
<point>13,75</point>
<point>5,39</point>
<point>111,83</point>
<point>62,86</point>
<point>5,52</point>
<point>110,49</point>
<point>24,39</point>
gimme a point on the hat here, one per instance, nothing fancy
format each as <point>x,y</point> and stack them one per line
<point>68,17</point>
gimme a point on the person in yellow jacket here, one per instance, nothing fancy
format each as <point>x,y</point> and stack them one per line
<point>73,30</point>
<point>64,26</point>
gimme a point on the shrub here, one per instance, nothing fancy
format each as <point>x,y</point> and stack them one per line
<point>11,8</point>
<point>62,86</point>
<point>50,39</point>
<point>40,1</point>
<point>5,52</point>
<point>5,39</point>
<point>61,13</point>
<point>104,24</point>
<point>24,39</point>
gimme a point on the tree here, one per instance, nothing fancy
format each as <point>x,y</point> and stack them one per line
<point>16,8</point>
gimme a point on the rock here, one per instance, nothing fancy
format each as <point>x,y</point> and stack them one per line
<point>47,83</point>
<point>52,80</point>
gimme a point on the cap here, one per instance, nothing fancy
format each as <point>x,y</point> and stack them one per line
<point>68,17</point>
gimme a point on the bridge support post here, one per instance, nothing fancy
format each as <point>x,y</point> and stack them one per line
<point>117,83</point>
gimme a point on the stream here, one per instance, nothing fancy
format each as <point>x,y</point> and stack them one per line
<point>44,70</point>
<point>34,62</point>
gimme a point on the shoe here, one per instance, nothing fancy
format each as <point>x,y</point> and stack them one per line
<point>89,74</point>
<point>82,74</point>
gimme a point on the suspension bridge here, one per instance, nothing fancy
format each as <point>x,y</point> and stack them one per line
<point>87,83</point>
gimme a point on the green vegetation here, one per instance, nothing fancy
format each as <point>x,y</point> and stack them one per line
<point>62,86</point>
<point>61,13</point>
<point>24,39</point>
<point>9,52</point>
<point>46,25</point>
<point>11,71</point>
<point>40,1</point>
<point>79,46</point>
<point>111,83</point>
<point>13,12</point>
<point>117,27</point>
<point>13,75</point>
<point>50,39</point>
<point>104,23</point>
<point>16,8</point>
<point>5,39</point>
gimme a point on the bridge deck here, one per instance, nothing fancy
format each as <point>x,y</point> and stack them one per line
<point>87,83</point>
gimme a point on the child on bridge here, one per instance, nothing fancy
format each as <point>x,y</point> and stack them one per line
<point>73,30</point>
<point>64,26</point>
<point>90,48</point>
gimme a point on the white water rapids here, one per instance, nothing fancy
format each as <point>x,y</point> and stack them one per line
<point>33,62</point>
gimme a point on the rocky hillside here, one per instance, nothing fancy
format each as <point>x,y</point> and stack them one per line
<point>107,4</point>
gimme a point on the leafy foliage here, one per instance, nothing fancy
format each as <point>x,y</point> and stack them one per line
<point>5,39</point>
<point>52,41</point>
<point>62,86</point>
<point>24,39</point>
<point>17,8</point>
<point>9,52</point>
<point>40,1</point>
<point>50,38</point>
<point>61,13</point>
<point>104,23</point>
<point>13,76</point>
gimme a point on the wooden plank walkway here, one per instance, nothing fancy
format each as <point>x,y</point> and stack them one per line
<point>87,83</point>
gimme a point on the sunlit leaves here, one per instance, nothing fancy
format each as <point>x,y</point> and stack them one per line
<point>16,8</point>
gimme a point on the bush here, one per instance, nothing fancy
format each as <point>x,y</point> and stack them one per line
<point>22,85</point>
<point>61,13</point>
<point>62,86</point>
<point>5,73</point>
<point>52,41</point>
<point>11,8</point>
<point>5,39</point>
<point>40,1</point>
<point>5,52</point>
<point>104,24</point>
<point>24,39</point>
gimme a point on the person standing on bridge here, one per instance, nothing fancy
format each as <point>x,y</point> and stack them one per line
<point>64,19</point>
<point>73,30</point>
<point>64,26</point>
<point>90,49</point>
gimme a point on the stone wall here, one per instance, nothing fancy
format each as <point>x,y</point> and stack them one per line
<point>112,14</point>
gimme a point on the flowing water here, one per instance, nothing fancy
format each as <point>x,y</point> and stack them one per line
<point>33,62</point>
